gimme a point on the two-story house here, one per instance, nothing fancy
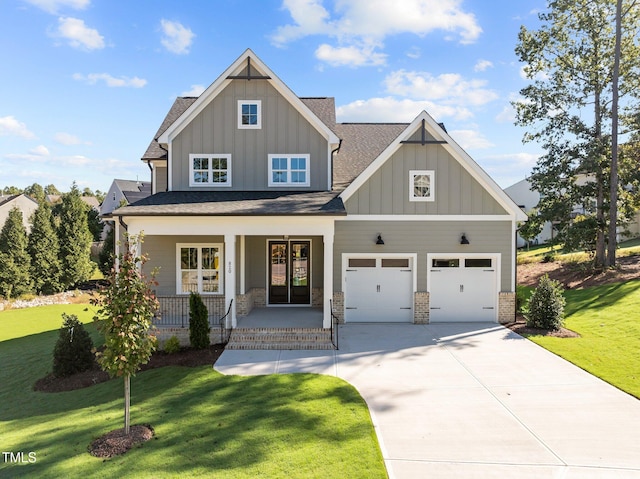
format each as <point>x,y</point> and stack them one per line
<point>260,197</point>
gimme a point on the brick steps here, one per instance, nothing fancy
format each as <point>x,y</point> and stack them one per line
<point>280,338</point>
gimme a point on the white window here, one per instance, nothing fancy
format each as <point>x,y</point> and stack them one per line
<point>249,114</point>
<point>421,185</point>
<point>289,170</point>
<point>198,268</point>
<point>209,169</point>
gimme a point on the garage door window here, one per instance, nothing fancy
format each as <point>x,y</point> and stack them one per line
<point>362,263</point>
<point>446,263</point>
<point>477,263</point>
<point>395,262</point>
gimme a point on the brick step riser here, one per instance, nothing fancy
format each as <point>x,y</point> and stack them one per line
<point>280,346</point>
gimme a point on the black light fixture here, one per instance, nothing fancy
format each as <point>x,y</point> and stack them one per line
<point>463,239</point>
<point>380,240</point>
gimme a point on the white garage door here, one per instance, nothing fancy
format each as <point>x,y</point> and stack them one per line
<point>379,290</point>
<point>462,289</point>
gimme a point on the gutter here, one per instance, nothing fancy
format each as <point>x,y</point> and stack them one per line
<point>332,153</point>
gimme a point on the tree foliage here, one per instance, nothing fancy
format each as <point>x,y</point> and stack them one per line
<point>107,253</point>
<point>44,251</point>
<point>198,323</point>
<point>567,108</point>
<point>127,306</point>
<point>15,262</point>
<point>73,351</point>
<point>545,308</point>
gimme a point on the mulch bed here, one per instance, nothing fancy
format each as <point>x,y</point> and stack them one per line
<point>185,357</point>
<point>522,329</point>
<point>117,442</point>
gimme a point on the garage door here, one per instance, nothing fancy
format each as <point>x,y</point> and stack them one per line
<point>379,290</point>
<point>462,289</point>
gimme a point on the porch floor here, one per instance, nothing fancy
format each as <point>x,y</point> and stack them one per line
<point>285,317</point>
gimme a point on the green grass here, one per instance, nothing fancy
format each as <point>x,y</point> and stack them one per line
<point>206,424</point>
<point>606,317</point>
<point>535,254</point>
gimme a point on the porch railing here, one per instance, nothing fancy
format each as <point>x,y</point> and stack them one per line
<point>334,327</point>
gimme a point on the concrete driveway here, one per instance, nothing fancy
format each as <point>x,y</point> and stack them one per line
<point>472,401</point>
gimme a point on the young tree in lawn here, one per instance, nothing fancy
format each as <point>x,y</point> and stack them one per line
<point>75,239</point>
<point>126,309</point>
<point>44,250</point>
<point>568,106</point>
<point>15,279</point>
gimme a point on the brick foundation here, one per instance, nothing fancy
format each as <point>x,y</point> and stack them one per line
<point>421,307</point>
<point>506,307</point>
<point>338,306</point>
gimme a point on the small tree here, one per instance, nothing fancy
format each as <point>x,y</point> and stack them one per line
<point>545,308</point>
<point>107,253</point>
<point>73,351</point>
<point>198,322</point>
<point>44,250</point>
<point>126,310</point>
<point>14,258</point>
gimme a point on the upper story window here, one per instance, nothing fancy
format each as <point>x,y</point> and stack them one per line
<point>249,114</point>
<point>421,185</point>
<point>289,170</point>
<point>209,169</point>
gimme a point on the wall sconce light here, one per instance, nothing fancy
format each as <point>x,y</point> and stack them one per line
<point>463,239</point>
<point>380,240</point>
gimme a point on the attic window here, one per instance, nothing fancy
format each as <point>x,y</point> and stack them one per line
<point>249,114</point>
<point>421,185</point>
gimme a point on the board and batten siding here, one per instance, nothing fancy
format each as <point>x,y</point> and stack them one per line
<point>161,179</point>
<point>284,131</point>
<point>423,237</point>
<point>386,192</point>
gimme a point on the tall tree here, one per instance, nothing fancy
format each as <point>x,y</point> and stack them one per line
<point>126,309</point>
<point>15,279</point>
<point>51,190</point>
<point>44,250</point>
<point>75,239</point>
<point>568,107</point>
<point>36,192</point>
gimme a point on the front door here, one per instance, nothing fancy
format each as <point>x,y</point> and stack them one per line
<point>289,272</point>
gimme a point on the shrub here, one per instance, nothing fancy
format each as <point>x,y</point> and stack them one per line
<point>549,257</point>
<point>198,322</point>
<point>172,345</point>
<point>522,293</point>
<point>73,351</point>
<point>545,308</point>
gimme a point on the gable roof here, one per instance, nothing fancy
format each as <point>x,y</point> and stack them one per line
<point>154,150</point>
<point>437,131</point>
<point>223,80</point>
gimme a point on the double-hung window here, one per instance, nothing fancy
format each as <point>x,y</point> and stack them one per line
<point>209,169</point>
<point>198,268</point>
<point>421,185</point>
<point>249,114</point>
<point>289,170</point>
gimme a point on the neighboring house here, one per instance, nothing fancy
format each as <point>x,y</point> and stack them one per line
<point>260,197</point>
<point>128,190</point>
<point>23,202</point>
<point>90,201</point>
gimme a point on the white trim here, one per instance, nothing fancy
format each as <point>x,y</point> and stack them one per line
<point>229,274</point>
<point>154,181</point>
<point>425,218</point>
<point>432,185</point>
<point>309,271</point>
<point>258,125</point>
<point>289,171</point>
<point>210,170</point>
<point>243,262</point>
<point>221,265</point>
<point>327,288</point>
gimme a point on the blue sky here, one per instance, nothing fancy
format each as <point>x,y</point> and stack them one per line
<point>85,84</point>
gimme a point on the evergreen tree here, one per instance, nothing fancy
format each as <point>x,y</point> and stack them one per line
<point>75,239</point>
<point>15,279</point>
<point>44,250</point>
<point>108,252</point>
<point>36,192</point>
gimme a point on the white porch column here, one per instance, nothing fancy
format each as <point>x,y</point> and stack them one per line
<point>242,266</point>
<point>328,280</point>
<point>230,276</point>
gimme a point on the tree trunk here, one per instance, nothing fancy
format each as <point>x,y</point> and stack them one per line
<point>613,207</point>
<point>127,402</point>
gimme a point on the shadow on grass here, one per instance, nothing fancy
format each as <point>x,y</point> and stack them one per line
<point>598,297</point>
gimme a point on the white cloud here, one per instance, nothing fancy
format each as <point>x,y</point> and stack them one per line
<point>9,126</point>
<point>391,109</point>
<point>176,37</point>
<point>40,150</point>
<point>69,139</point>
<point>196,90</point>
<point>470,139</point>
<point>53,6</point>
<point>414,53</point>
<point>350,56</point>
<point>110,81</point>
<point>79,35</point>
<point>449,88</point>
<point>482,65</point>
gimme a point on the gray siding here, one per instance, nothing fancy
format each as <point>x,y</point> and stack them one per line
<point>456,191</point>
<point>161,179</point>
<point>423,237</point>
<point>284,131</point>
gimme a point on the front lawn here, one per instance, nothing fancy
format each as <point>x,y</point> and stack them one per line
<point>206,424</point>
<point>606,317</point>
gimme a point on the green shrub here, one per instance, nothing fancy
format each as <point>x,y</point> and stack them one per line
<point>522,293</point>
<point>198,322</point>
<point>545,308</point>
<point>172,345</point>
<point>549,257</point>
<point>73,351</point>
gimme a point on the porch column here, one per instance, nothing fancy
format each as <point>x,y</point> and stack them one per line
<point>230,276</point>
<point>327,290</point>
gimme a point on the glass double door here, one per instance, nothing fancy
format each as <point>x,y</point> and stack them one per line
<point>289,272</point>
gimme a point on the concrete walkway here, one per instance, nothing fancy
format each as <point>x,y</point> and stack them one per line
<point>472,401</point>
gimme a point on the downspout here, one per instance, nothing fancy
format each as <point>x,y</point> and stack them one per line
<point>150,170</point>
<point>332,153</point>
